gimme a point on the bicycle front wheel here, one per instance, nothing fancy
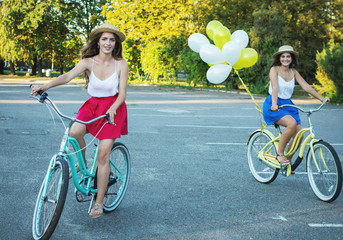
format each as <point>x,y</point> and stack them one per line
<point>120,165</point>
<point>324,171</point>
<point>50,200</point>
<point>262,172</point>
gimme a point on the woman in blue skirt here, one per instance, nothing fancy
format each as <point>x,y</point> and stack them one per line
<point>282,77</point>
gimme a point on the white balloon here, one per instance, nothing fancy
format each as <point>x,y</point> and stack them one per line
<point>218,73</point>
<point>241,37</point>
<point>196,41</point>
<point>231,52</point>
<point>211,54</point>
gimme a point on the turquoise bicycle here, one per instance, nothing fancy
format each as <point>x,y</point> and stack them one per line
<point>53,191</point>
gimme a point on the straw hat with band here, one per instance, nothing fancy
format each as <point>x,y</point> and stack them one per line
<point>284,49</point>
<point>108,28</point>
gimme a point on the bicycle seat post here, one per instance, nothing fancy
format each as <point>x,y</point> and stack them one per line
<point>278,127</point>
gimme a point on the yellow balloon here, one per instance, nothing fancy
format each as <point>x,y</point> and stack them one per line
<point>247,59</point>
<point>211,26</point>
<point>221,36</point>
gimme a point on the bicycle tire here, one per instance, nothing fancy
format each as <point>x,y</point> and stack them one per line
<point>48,208</point>
<point>327,183</point>
<point>119,162</point>
<point>262,172</point>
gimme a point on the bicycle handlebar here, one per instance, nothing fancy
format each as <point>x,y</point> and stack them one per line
<point>305,111</point>
<point>44,96</point>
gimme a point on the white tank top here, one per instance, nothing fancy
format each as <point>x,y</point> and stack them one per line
<point>285,87</point>
<point>103,88</point>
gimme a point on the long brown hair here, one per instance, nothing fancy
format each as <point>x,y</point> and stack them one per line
<point>91,49</point>
<point>276,61</point>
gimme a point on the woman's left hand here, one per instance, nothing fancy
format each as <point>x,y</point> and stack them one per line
<point>326,98</point>
<point>112,113</point>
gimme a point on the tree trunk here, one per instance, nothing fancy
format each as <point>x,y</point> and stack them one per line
<point>12,68</point>
<point>39,66</point>
<point>34,66</point>
<point>2,66</point>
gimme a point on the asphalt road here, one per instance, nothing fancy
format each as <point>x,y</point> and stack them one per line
<point>190,177</point>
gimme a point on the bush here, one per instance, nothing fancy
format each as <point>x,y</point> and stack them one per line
<point>330,72</point>
<point>161,58</point>
<point>194,67</point>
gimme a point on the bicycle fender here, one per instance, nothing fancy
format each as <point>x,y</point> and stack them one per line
<point>314,141</point>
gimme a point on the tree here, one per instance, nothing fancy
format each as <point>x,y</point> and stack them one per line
<point>234,14</point>
<point>85,15</point>
<point>330,72</point>
<point>154,34</point>
<point>153,19</point>
<point>194,67</point>
<point>40,32</point>
<point>10,18</point>
<point>161,58</point>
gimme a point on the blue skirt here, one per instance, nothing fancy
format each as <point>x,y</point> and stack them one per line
<point>271,117</point>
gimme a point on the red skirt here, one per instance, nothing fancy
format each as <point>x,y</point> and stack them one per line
<point>97,106</point>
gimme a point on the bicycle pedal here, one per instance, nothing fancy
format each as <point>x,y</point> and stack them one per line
<point>285,169</point>
<point>82,198</point>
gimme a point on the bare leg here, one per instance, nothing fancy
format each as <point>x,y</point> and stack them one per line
<point>290,130</point>
<point>105,147</point>
<point>78,131</point>
<point>291,144</point>
<point>298,128</point>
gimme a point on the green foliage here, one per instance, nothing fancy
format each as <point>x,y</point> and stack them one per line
<point>329,72</point>
<point>152,64</point>
<point>157,32</point>
<point>46,31</point>
<point>151,20</point>
<point>132,53</point>
<point>84,15</point>
<point>194,67</point>
<point>161,58</point>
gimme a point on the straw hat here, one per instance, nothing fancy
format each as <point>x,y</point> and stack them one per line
<point>108,28</point>
<point>286,48</point>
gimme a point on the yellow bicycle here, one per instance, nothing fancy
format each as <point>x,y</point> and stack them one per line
<point>322,162</point>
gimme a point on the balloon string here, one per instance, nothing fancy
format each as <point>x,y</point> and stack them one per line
<point>252,97</point>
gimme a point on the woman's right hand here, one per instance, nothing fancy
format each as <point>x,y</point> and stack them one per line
<point>36,88</point>
<point>274,108</point>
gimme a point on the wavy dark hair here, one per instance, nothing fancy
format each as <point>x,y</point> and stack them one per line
<point>276,61</point>
<point>91,49</point>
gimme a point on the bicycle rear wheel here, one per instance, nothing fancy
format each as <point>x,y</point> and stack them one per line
<point>120,165</point>
<point>326,176</point>
<point>262,172</point>
<point>50,200</point>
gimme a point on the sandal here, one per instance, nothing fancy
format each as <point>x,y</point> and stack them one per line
<point>284,162</point>
<point>96,211</point>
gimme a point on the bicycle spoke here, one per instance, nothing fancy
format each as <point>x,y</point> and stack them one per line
<point>261,170</point>
<point>324,171</point>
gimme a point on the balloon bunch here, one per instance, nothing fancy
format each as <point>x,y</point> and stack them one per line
<point>227,51</point>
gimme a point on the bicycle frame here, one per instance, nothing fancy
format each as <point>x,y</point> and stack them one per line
<point>87,176</point>
<point>271,160</point>
<point>55,185</point>
<point>66,153</point>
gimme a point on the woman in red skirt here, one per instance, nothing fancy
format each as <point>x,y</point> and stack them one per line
<point>106,74</point>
